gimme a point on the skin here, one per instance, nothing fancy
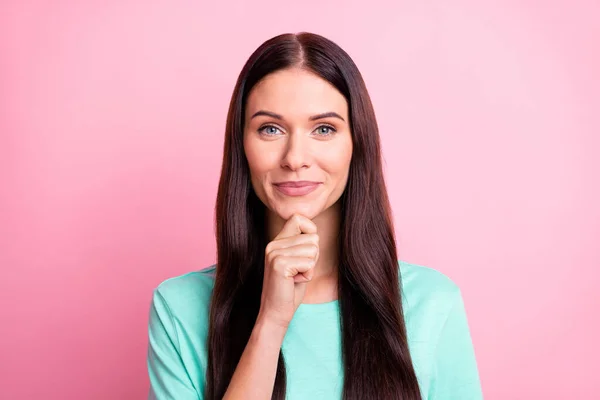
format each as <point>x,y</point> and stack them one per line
<point>301,257</point>
<point>298,148</point>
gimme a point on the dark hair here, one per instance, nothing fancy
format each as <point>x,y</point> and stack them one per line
<point>374,340</point>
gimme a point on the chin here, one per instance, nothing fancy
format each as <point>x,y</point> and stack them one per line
<point>308,210</point>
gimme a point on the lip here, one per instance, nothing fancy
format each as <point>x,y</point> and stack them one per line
<point>296,188</point>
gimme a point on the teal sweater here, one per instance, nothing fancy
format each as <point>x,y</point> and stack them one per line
<point>436,323</point>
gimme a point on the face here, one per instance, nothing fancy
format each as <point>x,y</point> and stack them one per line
<point>298,142</point>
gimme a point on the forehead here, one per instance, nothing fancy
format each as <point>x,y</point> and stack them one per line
<point>296,92</point>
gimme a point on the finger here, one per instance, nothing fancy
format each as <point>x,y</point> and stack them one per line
<point>307,250</point>
<point>296,225</point>
<point>302,278</point>
<point>292,266</point>
<point>306,276</point>
<point>304,238</point>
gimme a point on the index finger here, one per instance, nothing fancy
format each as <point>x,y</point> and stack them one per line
<point>296,225</point>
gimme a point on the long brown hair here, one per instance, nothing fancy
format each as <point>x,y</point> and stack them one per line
<point>374,340</point>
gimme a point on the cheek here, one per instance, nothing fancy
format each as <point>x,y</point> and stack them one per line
<point>252,155</point>
<point>338,163</point>
<point>259,165</point>
<point>260,161</point>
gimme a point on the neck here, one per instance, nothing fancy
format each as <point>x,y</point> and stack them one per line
<point>323,287</point>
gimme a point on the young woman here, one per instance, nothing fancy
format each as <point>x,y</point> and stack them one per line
<point>307,299</point>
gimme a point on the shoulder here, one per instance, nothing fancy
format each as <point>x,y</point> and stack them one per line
<point>417,280</point>
<point>189,283</point>
<point>187,295</point>
<point>428,296</point>
<point>177,333</point>
<point>438,333</point>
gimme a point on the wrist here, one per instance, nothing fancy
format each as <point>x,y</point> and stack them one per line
<point>269,331</point>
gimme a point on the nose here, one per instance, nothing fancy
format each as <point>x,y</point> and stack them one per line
<point>297,154</point>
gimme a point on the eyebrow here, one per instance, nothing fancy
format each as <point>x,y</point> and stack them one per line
<point>312,118</point>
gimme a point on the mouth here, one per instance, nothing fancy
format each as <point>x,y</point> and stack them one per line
<point>296,188</point>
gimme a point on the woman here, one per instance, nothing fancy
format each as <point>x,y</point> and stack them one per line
<point>307,299</point>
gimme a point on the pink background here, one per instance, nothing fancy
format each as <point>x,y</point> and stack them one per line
<point>111,124</point>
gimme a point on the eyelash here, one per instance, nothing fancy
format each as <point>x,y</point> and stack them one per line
<point>331,128</point>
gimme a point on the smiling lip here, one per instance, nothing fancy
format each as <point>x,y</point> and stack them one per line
<point>296,188</point>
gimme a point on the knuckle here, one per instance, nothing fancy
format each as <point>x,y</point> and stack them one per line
<point>271,257</point>
<point>314,249</point>
<point>315,238</point>
<point>269,248</point>
<point>277,261</point>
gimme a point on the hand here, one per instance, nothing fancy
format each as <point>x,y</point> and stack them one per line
<point>289,264</point>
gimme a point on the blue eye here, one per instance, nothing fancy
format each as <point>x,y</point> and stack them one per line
<point>272,130</point>
<point>269,130</point>
<point>325,130</point>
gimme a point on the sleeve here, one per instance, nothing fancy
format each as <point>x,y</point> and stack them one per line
<point>455,373</point>
<point>169,379</point>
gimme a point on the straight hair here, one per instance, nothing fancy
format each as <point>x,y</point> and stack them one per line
<point>375,352</point>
